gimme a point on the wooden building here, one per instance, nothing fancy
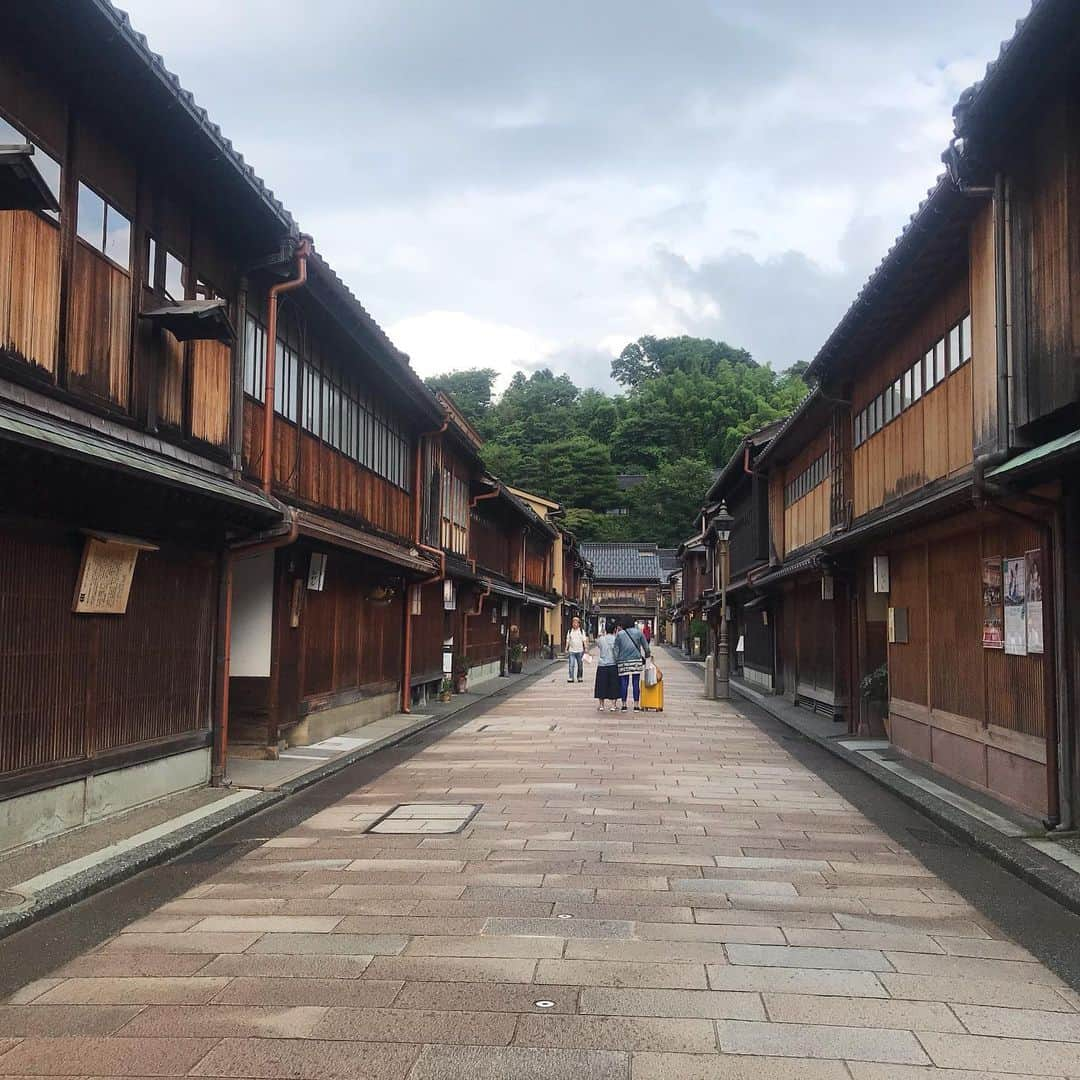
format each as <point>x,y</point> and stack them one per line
<point>922,509</point>
<point>688,595</point>
<point>127,227</point>
<point>626,582</point>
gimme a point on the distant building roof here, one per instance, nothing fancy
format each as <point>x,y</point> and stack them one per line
<point>624,562</point>
<point>626,481</point>
<point>669,559</point>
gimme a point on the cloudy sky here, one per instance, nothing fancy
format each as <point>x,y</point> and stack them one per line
<point>528,183</point>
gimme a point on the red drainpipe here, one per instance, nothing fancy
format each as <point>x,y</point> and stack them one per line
<point>302,253</point>
<point>406,674</point>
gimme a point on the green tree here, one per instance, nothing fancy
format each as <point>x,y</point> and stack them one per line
<point>471,389</point>
<point>663,507</point>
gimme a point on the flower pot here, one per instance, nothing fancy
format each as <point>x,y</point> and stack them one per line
<point>461,684</point>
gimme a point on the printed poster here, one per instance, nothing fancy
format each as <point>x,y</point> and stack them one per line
<point>1015,607</point>
<point>1033,583</point>
<point>993,629</point>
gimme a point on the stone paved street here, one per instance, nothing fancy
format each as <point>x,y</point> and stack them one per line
<point>648,896</point>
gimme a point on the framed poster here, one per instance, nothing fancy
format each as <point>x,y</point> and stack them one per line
<point>105,574</point>
<point>993,634</point>
<point>1015,607</point>
<point>1034,601</point>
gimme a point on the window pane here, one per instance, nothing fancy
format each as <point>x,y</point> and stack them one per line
<point>91,220</point>
<point>898,397</point>
<point>965,342</point>
<point>928,371</point>
<point>954,348</point>
<point>879,411</point>
<point>150,267</point>
<point>907,399</point>
<point>118,238</point>
<point>939,361</point>
<point>889,414</point>
<point>916,381</point>
<point>174,277</point>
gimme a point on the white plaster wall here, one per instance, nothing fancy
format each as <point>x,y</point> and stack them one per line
<point>252,615</point>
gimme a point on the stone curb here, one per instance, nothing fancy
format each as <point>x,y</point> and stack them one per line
<point>126,865</point>
<point>1040,871</point>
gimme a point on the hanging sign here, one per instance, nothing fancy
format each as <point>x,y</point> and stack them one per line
<point>316,577</point>
<point>1033,585</point>
<point>105,574</point>
<point>1015,607</point>
<point>993,635</point>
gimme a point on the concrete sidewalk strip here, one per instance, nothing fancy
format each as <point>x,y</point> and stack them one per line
<point>628,897</point>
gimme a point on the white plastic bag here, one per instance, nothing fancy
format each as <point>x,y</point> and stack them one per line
<point>650,675</point>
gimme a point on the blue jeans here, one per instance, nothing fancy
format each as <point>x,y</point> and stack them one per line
<point>576,660</point>
<point>624,683</point>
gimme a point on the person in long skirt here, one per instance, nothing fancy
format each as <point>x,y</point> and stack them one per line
<point>607,672</point>
<point>631,649</point>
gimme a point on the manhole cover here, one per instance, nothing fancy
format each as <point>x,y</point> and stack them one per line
<point>425,819</point>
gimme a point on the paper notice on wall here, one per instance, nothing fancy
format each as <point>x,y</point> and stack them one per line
<point>1015,607</point>
<point>105,577</point>
<point>993,635</point>
<point>1033,591</point>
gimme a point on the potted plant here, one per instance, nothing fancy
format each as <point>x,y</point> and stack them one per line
<point>446,689</point>
<point>874,693</point>
<point>517,657</point>
<point>699,634</point>
<point>461,674</point>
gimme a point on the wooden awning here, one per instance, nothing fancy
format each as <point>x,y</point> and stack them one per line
<point>22,187</point>
<point>194,320</point>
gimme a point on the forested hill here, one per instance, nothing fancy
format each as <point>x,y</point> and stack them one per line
<point>686,404</point>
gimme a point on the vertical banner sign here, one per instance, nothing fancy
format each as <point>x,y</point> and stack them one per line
<point>1015,604</point>
<point>1033,584</point>
<point>993,636</point>
<point>316,578</point>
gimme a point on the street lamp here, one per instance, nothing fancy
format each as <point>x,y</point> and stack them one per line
<point>721,526</point>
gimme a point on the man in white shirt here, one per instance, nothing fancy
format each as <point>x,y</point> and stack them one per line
<point>575,648</point>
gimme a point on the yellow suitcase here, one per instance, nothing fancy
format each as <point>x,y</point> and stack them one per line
<point>652,697</point>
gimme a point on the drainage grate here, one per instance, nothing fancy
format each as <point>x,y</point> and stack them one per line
<point>425,819</point>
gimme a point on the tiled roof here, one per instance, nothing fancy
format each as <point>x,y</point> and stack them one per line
<point>623,562</point>
<point>626,481</point>
<point>669,559</point>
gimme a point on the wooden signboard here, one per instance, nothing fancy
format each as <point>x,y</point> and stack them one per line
<point>104,582</point>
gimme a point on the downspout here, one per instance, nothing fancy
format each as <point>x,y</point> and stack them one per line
<point>266,542</point>
<point>406,673</point>
<point>479,610</point>
<point>302,253</point>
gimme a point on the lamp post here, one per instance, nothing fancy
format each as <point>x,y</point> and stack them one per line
<point>721,526</point>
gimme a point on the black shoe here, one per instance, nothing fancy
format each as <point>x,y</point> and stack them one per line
<point>623,709</point>
<point>581,680</point>
<point>638,708</point>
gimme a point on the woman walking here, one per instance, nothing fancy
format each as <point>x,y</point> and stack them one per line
<point>631,650</point>
<point>607,672</point>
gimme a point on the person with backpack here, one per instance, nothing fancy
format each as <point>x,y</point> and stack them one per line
<point>631,652</point>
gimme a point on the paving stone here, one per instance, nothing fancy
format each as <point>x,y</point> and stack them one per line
<point>807,957</point>
<point>315,1058</point>
<point>407,1025</point>
<point>518,1063</point>
<point>269,924</point>
<point>458,945</point>
<point>188,942</point>
<point>191,990</point>
<point>616,1033</point>
<point>647,951</point>
<point>979,1052</point>
<point>222,1021</point>
<point>969,991</point>
<point>562,928</point>
<point>453,969</point>
<point>794,981</point>
<point>820,1041</point>
<point>756,935</point>
<point>613,973</point>
<point>90,1056</point>
<point>861,1012</point>
<point>707,1004</point>
<point>337,944</point>
<point>648,1066</point>
<point>52,1020</point>
<point>318,966</point>
<point>1016,1023</point>
<point>316,992</point>
<point>127,963</point>
<point>486,997</point>
<point>964,967</point>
